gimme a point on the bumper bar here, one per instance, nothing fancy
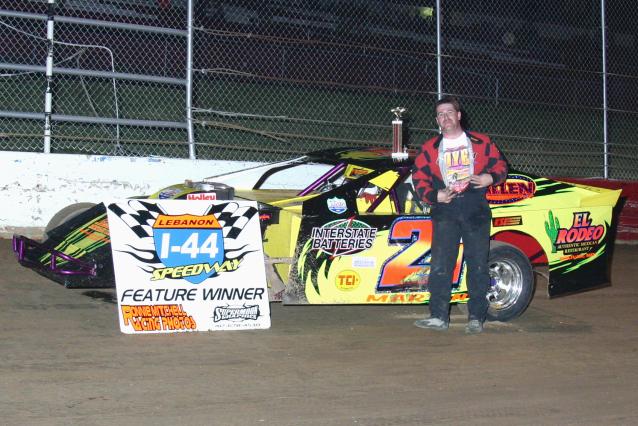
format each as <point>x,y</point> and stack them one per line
<point>70,265</point>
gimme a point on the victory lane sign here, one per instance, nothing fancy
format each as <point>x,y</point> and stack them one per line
<point>184,265</point>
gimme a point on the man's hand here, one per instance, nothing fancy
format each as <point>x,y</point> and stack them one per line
<point>482,180</point>
<point>445,195</point>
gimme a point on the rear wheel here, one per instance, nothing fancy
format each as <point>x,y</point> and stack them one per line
<point>66,214</point>
<point>512,282</point>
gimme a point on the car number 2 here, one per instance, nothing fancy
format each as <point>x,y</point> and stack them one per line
<point>409,268</point>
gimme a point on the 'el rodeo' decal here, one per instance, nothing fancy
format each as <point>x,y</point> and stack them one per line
<point>409,269</point>
<point>580,237</point>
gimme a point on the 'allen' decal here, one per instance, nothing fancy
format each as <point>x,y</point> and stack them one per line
<point>514,189</point>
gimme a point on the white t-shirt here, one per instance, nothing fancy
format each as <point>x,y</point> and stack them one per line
<point>456,163</point>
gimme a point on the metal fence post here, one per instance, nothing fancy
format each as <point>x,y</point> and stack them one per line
<point>48,95</point>
<point>604,60</point>
<point>189,81</point>
<point>439,78</point>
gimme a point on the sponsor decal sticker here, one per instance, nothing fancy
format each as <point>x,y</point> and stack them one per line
<point>398,298</point>
<point>236,314</point>
<point>580,237</point>
<point>514,189</point>
<point>507,221</point>
<point>353,172</point>
<point>337,205</point>
<point>411,298</point>
<point>347,280</point>
<point>364,262</point>
<point>169,193</point>
<point>343,237</point>
<point>157,318</point>
<point>201,196</point>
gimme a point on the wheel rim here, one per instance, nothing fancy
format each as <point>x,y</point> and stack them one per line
<point>506,284</point>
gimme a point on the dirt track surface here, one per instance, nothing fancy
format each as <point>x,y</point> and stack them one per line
<point>567,361</point>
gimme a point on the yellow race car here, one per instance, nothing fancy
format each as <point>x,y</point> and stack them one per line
<point>346,227</point>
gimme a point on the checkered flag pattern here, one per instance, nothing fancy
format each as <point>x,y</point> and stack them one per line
<point>232,217</point>
<point>140,217</point>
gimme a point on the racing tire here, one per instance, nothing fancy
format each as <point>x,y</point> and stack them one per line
<point>512,282</point>
<point>66,214</point>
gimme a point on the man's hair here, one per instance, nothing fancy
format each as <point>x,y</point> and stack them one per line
<point>447,99</point>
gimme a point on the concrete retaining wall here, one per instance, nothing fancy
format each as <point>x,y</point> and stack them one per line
<point>34,186</point>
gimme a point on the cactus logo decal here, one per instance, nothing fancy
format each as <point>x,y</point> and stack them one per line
<point>552,225</point>
<point>580,237</point>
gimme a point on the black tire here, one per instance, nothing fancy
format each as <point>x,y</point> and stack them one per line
<point>512,279</point>
<point>66,214</point>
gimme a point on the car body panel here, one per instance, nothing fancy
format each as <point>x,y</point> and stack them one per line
<point>357,234</point>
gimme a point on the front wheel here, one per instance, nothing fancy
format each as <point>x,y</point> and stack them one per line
<point>512,282</point>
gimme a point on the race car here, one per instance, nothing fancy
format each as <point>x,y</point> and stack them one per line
<point>356,233</point>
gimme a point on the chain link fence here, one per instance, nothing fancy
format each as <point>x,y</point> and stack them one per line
<point>272,80</point>
<point>117,79</point>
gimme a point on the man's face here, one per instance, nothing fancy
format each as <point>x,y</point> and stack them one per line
<point>448,119</point>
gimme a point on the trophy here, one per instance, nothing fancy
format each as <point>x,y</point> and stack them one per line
<point>399,152</point>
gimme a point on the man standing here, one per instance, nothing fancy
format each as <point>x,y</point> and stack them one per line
<point>451,174</point>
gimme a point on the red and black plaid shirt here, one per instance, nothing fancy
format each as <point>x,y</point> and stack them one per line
<point>427,178</point>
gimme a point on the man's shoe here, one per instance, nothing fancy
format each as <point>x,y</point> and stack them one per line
<point>432,324</point>
<point>474,327</point>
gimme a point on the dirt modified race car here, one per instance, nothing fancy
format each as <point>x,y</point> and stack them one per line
<point>357,234</point>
